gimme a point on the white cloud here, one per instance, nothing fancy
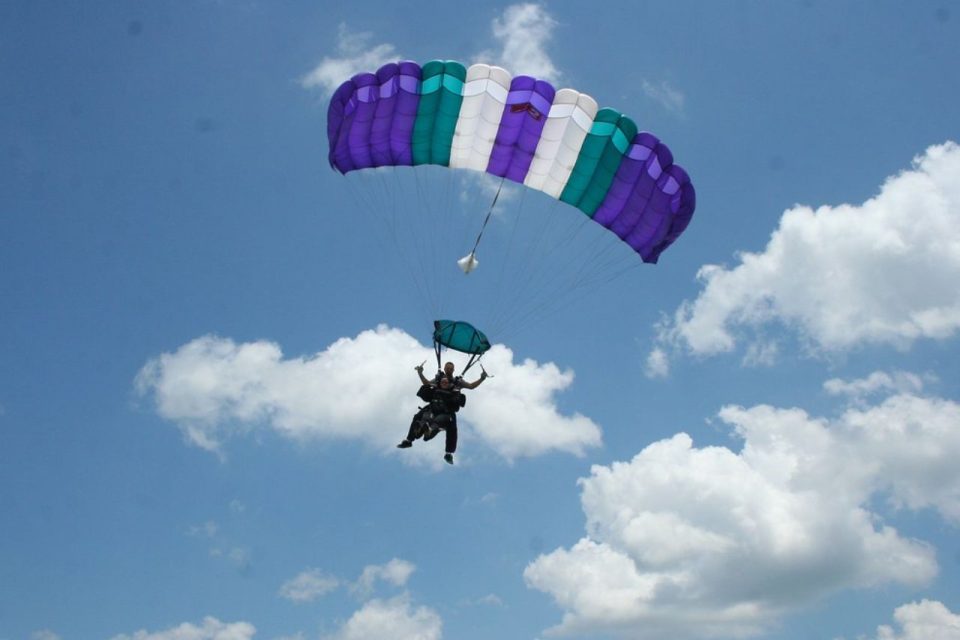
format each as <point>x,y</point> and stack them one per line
<point>213,388</point>
<point>209,629</point>
<point>523,32</point>
<point>876,382</point>
<point>484,187</point>
<point>490,600</point>
<point>44,634</point>
<point>883,272</point>
<point>208,529</point>
<point>239,557</point>
<point>688,542</point>
<point>308,586</point>
<point>396,572</point>
<point>924,620</point>
<point>394,618</point>
<point>355,54</point>
<point>762,353</point>
<point>664,93</point>
<point>658,364</point>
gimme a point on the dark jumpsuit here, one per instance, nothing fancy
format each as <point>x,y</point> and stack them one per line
<point>445,404</point>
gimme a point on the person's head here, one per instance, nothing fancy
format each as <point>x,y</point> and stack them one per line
<point>444,382</point>
<point>448,369</point>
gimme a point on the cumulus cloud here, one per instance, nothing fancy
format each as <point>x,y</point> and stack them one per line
<point>356,52</point>
<point>308,586</point>
<point>394,618</point>
<point>209,629</point>
<point>924,620</point>
<point>396,573</point>
<point>695,542</point>
<point>523,33</point>
<point>358,388</point>
<point>882,272</point>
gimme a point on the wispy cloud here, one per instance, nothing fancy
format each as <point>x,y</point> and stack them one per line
<point>356,52</point>
<point>882,272</point>
<point>239,557</point>
<point>523,33</point>
<point>396,573</point>
<point>308,586</point>
<point>877,382</point>
<point>658,364</point>
<point>665,94</point>
<point>793,515</point>
<point>208,529</point>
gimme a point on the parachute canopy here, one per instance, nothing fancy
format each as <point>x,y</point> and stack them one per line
<point>460,336</point>
<point>518,128</point>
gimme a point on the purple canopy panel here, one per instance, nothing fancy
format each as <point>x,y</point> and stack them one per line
<point>682,204</point>
<point>650,238</point>
<point>358,136</point>
<point>530,130</point>
<point>339,117</point>
<point>639,211</point>
<point>687,203</point>
<point>407,102</point>
<point>524,115</point>
<point>617,201</point>
<point>642,231</point>
<point>388,84</point>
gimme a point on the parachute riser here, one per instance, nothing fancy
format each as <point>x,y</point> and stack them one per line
<point>474,359</point>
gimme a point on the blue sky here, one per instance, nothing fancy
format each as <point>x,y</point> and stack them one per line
<point>208,335</point>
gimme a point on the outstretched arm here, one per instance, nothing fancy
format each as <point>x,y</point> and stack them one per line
<point>419,370</point>
<point>475,383</point>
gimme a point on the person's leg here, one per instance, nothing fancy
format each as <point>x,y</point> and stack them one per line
<point>415,431</point>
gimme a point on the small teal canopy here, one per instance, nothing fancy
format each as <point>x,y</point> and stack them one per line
<point>459,336</point>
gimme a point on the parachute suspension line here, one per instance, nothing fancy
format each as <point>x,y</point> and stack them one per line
<point>533,270</point>
<point>610,268</point>
<point>400,232</point>
<point>418,273</point>
<point>540,289</point>
<point>470,258</point>
<point>374,204</point>
<point>447,224</point>
<point>498,305</point>
<point>425,239</point>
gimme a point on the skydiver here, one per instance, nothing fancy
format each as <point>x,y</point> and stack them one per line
<point>444,398</point>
